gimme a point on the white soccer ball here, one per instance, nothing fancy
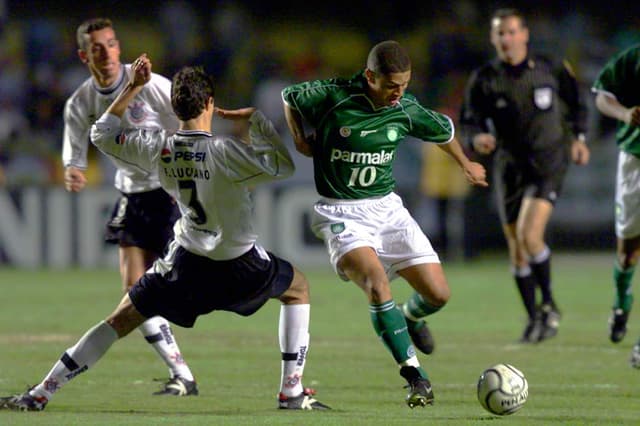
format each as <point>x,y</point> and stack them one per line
<point>502,389</point>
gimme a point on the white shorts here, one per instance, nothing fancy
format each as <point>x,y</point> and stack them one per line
<point>627,196</point>
<point>383,224</point>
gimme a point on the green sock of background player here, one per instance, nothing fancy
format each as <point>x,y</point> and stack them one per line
<point>622,279</point>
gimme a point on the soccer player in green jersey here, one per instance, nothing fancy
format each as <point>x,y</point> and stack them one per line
<point>370,235</point>
<point>617,91</point>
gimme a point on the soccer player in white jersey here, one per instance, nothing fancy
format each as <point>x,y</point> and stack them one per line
<point>143,217</point>
<point>213,263</point>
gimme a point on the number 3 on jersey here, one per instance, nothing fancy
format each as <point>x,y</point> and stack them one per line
<point>363,176</point>
<point>197,213</point>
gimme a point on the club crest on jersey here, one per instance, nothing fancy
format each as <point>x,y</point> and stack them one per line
<point>542,97</point>
<point>136,112</point>
<point>345,132</point>
<point>165,155</point>
<point>392,133</point>
<point>337,228</point>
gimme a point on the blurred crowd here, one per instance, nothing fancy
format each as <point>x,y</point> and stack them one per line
<point>253,57</point>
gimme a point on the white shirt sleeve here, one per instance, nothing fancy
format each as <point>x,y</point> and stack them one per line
<point>137,148</point>
<point>75,140</point>
<point>264,159</point>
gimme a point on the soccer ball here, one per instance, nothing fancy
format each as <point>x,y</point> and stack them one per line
<point>502,389</point>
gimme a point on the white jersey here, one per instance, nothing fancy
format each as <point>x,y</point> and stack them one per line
<point>151,108</point>
<point>208,176</point>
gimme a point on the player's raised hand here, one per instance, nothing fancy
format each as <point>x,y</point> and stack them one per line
<point>235,114</point>
<point>141,70</point>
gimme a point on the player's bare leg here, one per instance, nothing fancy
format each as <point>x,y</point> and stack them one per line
<point>432,293</point>
<point>79,358</point>
<point>363,267</point>
<point>134,262</point>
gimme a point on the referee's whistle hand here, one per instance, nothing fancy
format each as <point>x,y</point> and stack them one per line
<point>484,143</point>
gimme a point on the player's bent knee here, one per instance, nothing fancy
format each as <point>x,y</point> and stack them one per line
<point>440,296</point>
<point>379,292</point>
<point>298,291</point>
<point>125,318</point>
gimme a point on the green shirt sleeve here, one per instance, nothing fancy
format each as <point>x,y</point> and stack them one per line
<point>312,99</point>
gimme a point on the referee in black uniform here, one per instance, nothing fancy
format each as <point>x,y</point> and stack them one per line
<point>527,109</point>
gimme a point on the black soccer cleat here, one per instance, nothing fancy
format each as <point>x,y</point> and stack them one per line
<point>23,402</point>
<point>548,321</point>
<point>304,401</point>
<point>420,335</point>
<point>178,386</point>
<point>618,325</point>
<point>531,332</point>
<point>420,392</point>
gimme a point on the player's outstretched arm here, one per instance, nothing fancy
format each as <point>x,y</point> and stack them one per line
<point>143,145</point>
<point>474,172</point>
<point>265,156</point>
<point>140,75</point>
<point>235,114</point>
<point>608,105</point>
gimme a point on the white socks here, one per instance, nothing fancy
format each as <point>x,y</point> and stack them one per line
<point>294,344</point>
<point>77,359</point>
<point>95,343</point>
<point>157,332</point>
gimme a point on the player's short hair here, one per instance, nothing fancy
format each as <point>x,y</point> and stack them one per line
<point>509,12</point>
<point>191,89</point>
<point>89,26</point>
<point>388,57</point>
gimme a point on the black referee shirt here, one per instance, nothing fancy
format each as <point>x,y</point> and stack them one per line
<point>531,107</point>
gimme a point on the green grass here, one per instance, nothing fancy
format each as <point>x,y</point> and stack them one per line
<point>576,378</point>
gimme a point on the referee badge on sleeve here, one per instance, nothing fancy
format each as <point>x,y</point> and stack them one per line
<point>542,97</point>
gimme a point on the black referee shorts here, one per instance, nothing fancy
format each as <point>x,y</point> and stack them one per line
<point>537,176</point>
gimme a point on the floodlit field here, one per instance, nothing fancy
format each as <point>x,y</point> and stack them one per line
<point>577,378</point>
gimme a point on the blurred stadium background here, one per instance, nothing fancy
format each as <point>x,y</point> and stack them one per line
<point>254,48</point>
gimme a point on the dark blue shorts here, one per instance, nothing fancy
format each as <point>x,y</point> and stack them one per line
<point>143,219</point>
<point>196,285</point>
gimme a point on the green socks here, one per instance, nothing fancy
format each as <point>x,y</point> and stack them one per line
<point>622,280</point>
<point>416,308</point>
<point>389,324</point>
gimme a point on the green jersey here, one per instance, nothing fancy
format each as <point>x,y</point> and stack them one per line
<point>621,77</point>
<point>356,141</point>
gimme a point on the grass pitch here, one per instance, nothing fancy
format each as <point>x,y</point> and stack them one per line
<point>578,377</point>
